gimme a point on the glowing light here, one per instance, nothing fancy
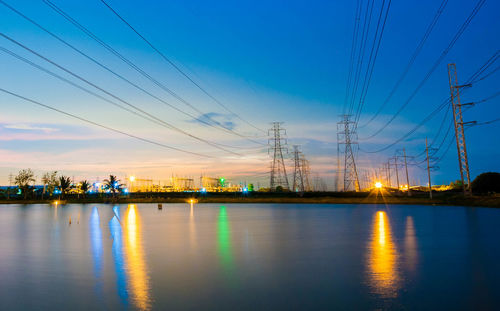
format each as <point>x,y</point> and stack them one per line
<point>203,190</point>
<point>245,189</point>
<point>378,185</point>
<point>132,178</point>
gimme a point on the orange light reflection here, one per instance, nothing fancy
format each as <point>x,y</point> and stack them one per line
<point>136,267</point>
<point>383,275</point>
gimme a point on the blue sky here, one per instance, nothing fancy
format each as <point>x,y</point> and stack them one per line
<point>266,60</point>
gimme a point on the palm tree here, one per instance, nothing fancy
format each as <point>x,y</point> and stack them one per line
<point>64,185</point>
<point>112,184</point>
<point>84,187</point>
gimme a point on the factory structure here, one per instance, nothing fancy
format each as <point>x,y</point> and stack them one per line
<point>183,184</point>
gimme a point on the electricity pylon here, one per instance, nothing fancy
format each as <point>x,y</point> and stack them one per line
<point>346,135</point>
<point>298,178</point>
<point>456,106</point>
<point>277,144</point>
<point>306,172</point>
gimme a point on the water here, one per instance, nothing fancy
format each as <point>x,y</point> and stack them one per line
<point>248,257</point>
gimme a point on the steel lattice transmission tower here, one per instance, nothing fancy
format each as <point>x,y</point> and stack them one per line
<point>298,177</point>
<point>277,144</point>
<point>346,135</point>
<point>456,106</point>
<point>306,172</point>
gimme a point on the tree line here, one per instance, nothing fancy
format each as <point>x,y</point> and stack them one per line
<point>55,185</point>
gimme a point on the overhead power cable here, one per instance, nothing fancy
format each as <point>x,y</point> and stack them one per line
<point>445,52</point>
<point>179,69</point>
<point>473,77</point>
<point>120,76</point>
<point>133,65</point>
<point>100,125</point>
<point>354,45</point>
<point>373,58</point>
<point>361,53</point>
<point>163,123</point>
<point>412,59</point>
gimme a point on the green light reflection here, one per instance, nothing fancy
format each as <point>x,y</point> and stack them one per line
<point>224,240</point>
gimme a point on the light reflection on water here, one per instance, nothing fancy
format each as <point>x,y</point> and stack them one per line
<point>247,257</point>
<point>115,228</point>
<point>411,253</point>
<point>383,277</point>
<point>224,240</point>
<point>136,266</point>
<point>96,239</point>
<point>130,266</point>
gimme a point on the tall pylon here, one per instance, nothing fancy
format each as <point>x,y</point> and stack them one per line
<point>346,135</point>
<point>277,144</point>
<point>306,172</point>
<point>298,178</point>
<point>456,106</point>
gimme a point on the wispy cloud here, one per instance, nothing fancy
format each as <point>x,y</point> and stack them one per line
<point>30,127</point>
<point>215,118</point>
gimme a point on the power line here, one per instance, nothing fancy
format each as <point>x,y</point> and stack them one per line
<point>461,30</point>
<point>100,125</point>
<point>178,69</point>
<point>133,65</point>
<point>412,59</point>
<point>361,54</point>
<point>473,78</point>
<point>120,76</point>
<point>353,53</point>
<point>487,122</point>
<point>163,123</point>
<point>372,60</point>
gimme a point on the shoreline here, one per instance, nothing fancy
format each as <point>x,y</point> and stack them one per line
<point>450,200</point>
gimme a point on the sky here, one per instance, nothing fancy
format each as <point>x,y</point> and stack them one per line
<point>266,61</point>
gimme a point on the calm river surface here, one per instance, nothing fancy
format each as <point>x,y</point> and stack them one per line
<point>248,257</point>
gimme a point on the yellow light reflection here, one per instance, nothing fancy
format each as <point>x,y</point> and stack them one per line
<point>411,255</point>
<point>192,229</point>
<point>383,275</point>
<point>136,267</point>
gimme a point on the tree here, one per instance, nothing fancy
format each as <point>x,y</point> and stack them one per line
<point>64,185</point>
<point>456,185</point>
<point>112,184</point>
<point>486,183</point>
<point>23,180</point>
<point>84,187</point>
<point>50,182</point>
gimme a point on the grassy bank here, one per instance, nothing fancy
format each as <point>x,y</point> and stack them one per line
<point>255,198</point>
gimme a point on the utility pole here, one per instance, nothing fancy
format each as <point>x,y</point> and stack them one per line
<point>397,173</point>
<point>389,183</point>
<point>298,180</point>
<point>276,145</point>
<point>346,135</point>
<point>407,178</point>
<point>428,167</point>
<point>458,121</point>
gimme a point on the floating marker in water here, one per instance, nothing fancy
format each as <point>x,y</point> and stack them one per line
<point>160,206</point>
